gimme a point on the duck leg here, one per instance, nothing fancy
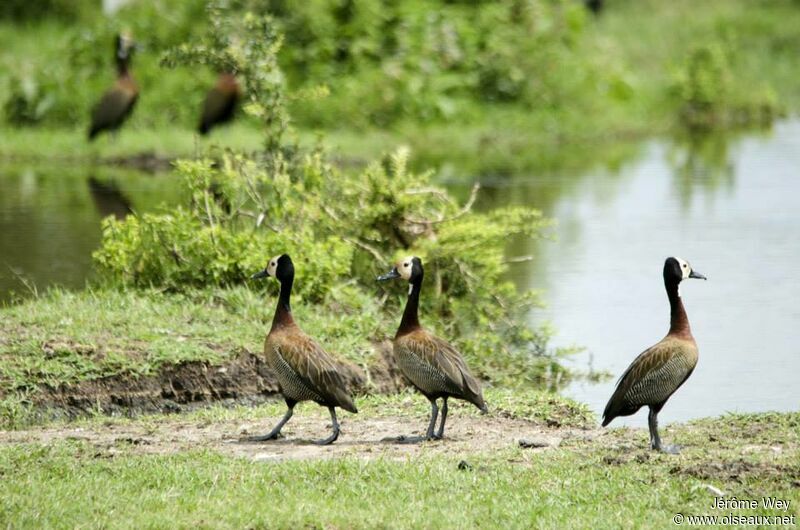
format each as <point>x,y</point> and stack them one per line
<point>440,433</point>
<point>429,434</point>
<point>332,438</point>
<point>432,425</point>
<point>275,432</point>
<point>655,440</point>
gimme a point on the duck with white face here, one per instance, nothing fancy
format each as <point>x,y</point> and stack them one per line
<point>117,103</point>
<point>660,370</point>
<point>305,372</point>
<point>433,366</point>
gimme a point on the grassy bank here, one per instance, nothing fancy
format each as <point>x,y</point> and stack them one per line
<point>63,339</point>
<point>67,477</point>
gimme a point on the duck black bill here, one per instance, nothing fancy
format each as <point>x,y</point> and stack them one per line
<point>262,274</point>
<point>697,275</point>
<point>391,275</point>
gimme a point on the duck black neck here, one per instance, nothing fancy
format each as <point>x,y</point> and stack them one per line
<point>122,67</point>
<point>283,313</point>
<point>410,321</point>
<point>678,321</point>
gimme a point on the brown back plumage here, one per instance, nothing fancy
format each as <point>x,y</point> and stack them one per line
<point>304,370</point>
<point>114,107</point>
<point>220,103</point>
<point>117,103</point>
<point>652,377</point>
<point>436,368</point>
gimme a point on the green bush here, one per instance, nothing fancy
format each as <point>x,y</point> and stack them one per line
<point>708,96</point>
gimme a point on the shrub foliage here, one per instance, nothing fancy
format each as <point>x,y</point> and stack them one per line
<point>708,97</point>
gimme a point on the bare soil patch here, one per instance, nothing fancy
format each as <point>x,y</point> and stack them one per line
<point>738,470</point>
<point>361,437</point>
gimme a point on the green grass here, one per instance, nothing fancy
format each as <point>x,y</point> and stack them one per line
<point>609,481</point>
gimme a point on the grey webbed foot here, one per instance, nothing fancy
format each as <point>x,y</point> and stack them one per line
<point>262,438</point>
<point>403,439</point>
<point>670,449</point>
<point>275,433</point>
<point>329,440</point>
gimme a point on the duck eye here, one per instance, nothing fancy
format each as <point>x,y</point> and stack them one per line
<point>684,265</point>
<point>405,264</point>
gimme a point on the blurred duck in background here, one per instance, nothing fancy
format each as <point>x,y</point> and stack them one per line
<point>117,103</point>
<point>220,104</point>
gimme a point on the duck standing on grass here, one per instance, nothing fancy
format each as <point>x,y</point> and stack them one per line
<point>661,369</point>
<point>432,365</point>
<point>305,372</point>
<point>117,103</point>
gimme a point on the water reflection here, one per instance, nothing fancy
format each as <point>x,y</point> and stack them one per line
<point>108,199</point>
<point>701,160</point>
<point>50,219</point>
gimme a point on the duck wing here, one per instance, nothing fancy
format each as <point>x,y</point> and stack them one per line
<point>442,357</point>
<point>315,368</point>
<point>652,377</point>
<point>112,109</point>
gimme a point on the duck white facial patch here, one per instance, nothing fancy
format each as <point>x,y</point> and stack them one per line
<point>686,269</point>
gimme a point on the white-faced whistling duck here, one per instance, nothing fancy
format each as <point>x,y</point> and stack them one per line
<point>661,369</point>
<point>305,372</point>
<point>220,103</point>
<point>432,365</point>
<point>117,103</point>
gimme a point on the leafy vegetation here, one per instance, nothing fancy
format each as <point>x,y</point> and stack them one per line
<point>340,228</point>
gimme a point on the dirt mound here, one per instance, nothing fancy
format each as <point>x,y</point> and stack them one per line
<point>186,385</point>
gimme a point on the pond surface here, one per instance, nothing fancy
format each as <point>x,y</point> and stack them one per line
<point>728,206</point>
<point>50,220</point>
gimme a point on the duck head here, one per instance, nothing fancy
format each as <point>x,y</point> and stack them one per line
<point>280,267</point>
<point>409,269</point>
<point>676,270</point>
<point>124,46</point>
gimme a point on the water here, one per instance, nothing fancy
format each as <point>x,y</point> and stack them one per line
<point>50,220</point>
<point>729,206</point>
